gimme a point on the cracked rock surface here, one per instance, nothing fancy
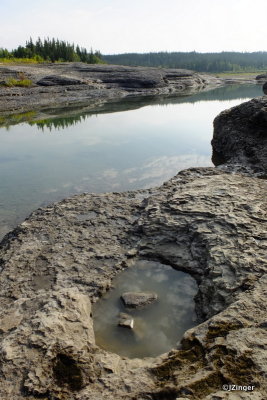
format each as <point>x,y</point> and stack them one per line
<point>206,222</point>
<point>209,222</point>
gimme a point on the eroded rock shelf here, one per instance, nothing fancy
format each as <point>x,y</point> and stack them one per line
<point>209,222</point>
<point>75,84</point>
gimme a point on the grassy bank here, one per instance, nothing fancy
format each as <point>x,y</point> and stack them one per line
<point>19,61</point>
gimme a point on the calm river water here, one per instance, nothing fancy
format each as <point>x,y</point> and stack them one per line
<point>129,145</point>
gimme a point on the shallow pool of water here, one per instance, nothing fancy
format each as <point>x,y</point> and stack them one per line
<point>158,326</point>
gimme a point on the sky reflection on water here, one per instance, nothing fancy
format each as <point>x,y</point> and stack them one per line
<point>113,151</point>
<point>158,326</point>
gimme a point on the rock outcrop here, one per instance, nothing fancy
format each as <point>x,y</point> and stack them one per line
<point>68,84</point>
<point>209,222</point>
<point>52,80</point>
<point>240,137</point>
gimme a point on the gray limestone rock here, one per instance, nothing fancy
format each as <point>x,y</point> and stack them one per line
<point>217,235</point>
<point>53,80</point>
<point>126,321</point>
<point>209,222</point>
<point>138,299</point>
<point>240,137</point>
<point>69,84</point>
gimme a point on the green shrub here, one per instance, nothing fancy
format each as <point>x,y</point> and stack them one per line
<point>15,60</point>
<point>18,82</point>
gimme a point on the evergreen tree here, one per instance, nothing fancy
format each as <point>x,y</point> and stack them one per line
<point>52,50</point>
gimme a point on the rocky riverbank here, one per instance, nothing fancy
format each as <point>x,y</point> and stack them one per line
<point>69,84</point>
<point>240,137</point>
<point>209,222</point>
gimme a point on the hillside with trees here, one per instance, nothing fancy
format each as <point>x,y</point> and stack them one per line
<point>201,62</point>
<point>52,50</point>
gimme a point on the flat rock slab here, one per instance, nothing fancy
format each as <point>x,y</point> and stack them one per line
<point>126,321</point>
<point>55,264</point>
<point>53,80</point>
<point>138,299</point>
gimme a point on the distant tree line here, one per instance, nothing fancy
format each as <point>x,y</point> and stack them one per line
<point>201,62</point>
<point>52,50</point>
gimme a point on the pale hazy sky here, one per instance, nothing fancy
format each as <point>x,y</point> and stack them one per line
<point>121,26</point>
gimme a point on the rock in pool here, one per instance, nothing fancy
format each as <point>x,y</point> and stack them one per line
<point>138,299</point>
<point>126,321</point>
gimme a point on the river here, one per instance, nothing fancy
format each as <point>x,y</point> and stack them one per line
<point>131,144</point>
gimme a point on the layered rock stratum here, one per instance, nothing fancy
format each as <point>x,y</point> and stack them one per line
<point>67,84</point>
<point>209,222</point>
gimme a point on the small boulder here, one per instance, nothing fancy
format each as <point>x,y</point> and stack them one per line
<point>126,321</point>
<point>138,299</point>
<point>261,77</point>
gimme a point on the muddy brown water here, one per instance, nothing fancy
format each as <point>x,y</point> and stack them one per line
<point>158,326</point>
